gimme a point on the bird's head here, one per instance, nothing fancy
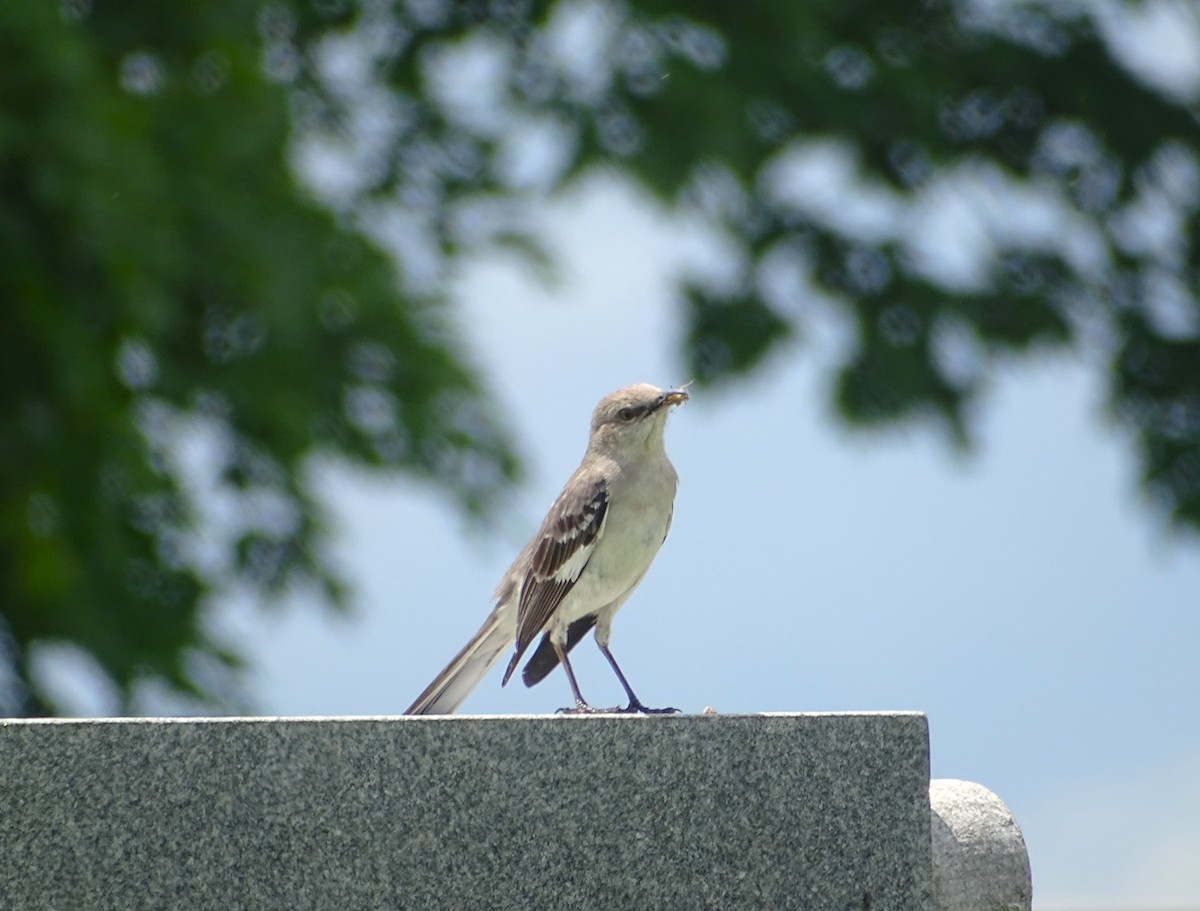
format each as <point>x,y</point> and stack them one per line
<point>633,415</point>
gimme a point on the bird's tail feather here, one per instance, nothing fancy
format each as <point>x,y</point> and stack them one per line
<point>449,688</point>
<point>545,659</point>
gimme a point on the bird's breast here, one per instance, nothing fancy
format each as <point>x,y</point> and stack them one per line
<point>634,531</point>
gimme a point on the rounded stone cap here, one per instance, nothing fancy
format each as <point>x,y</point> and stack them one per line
<point>979,858</point>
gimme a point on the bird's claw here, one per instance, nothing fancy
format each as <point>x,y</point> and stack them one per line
<point>582,708</point>
<point>636,708</point>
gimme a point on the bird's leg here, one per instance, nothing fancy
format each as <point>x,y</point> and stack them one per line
<point>581,706</point>
<point>635,705</point>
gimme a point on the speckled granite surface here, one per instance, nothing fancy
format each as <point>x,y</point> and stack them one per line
<point>689,812</point>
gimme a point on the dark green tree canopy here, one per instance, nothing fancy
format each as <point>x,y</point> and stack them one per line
<point>236,220</point>
<point>163,271</point>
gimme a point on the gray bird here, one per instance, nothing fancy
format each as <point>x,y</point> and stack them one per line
<point>593,548</point>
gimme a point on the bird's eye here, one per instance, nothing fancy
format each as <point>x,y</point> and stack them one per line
<point>626,414</point>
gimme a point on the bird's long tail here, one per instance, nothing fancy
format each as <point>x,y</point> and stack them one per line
<point>449,688</point>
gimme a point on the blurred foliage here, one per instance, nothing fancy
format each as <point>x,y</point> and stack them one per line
<point>233,223</point>
<point>166,283</point>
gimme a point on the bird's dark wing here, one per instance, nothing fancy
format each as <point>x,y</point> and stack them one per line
<point>564,546</point>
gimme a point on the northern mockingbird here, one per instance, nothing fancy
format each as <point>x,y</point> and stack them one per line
<point>593,548</point>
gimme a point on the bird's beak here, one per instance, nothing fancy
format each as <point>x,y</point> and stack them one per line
<point>674,397</point>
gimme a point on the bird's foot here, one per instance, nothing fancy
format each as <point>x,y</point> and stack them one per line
<point>582,708</point>
<point>636,708</point>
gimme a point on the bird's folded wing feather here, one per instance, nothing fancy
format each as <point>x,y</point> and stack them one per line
<point>564,545</point>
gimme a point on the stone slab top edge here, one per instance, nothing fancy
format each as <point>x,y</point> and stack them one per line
<point>447,719</point>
